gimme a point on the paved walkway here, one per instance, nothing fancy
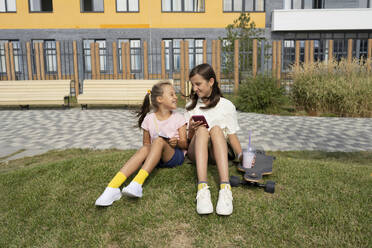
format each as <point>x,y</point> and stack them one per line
<point>38,131</point>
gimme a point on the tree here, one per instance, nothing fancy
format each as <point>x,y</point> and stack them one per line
<point>243,29</point>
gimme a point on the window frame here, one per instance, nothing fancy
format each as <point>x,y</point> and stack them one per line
<point>103,66</point>
<point>30,11</point>
<point>17,52</point>
<point>82,7</point>
<point>243,7</point>
<point>132,52</point>
<point>2,57</point>
<point>182,8</point>
<point>302,4</point>
<point>50,52</point>
<point>170,51</point>
<point>6,9</point>
<point>128,11</point>
<point>46,54</point>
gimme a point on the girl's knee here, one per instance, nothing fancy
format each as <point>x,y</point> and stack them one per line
<point>144,148</point>
<point>216,130</point>
<point>158,141</point>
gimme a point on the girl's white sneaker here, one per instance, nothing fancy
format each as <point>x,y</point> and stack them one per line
<point>134,189</point>
<point>203,201</point>
<point>108,197</point>
<point>224,203</point>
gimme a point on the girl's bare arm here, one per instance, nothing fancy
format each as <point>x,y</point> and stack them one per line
<point>182,141</point>
<point>146,138</point>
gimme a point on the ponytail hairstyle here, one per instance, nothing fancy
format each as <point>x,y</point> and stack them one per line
<point>150,100</point>
<point>206,72</point>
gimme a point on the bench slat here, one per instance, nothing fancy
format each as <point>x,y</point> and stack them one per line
<point>45,92</point>
<point>115,91</point>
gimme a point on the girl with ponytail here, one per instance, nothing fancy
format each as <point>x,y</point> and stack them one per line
<point>164,143</point>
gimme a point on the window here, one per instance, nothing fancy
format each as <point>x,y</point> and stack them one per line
<point>173,53</point>
<point>297,4</point>
<point>340,47</point>
<point>2,56</point>
<point>50,54</point>
<point>41,5</point>
<point>293,4</point>
<point>259,5</point>
<point>183,5</point>
<point>127,5</point>
<point>318,4</point>
<point>91,5</point>
<point>319,50</point>
<point>289,54</point>
<point>102,54</point>
<point>8,6</point>
<point>135,54</point>
<point>17,56</point>
<point>243,5</point>
<point>361,48</point>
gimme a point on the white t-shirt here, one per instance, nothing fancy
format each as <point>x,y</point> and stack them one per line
<point>223,115</point>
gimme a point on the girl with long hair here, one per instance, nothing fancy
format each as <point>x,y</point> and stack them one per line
<point>210,143</point>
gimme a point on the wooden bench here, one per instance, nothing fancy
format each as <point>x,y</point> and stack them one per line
<point>114,92</point>
<point>34,92</point>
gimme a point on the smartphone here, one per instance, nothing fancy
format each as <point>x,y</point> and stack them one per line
<point>200,118</point>
<point>163,136</point>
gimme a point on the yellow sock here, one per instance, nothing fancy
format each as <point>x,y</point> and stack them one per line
<point>202,185</point>
<point>118,180</point>
<point>141,176</point>
<point>225,186</point>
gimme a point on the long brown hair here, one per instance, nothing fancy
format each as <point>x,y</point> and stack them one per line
<point>206,72</point>
<point>157,90</point>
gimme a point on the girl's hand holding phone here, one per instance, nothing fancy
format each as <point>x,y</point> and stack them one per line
<point>194,124</point>
<point>197,121</point>
<point>173,142</point>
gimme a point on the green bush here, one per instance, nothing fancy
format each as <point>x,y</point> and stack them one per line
<point>260,94</point>
<point>342,88</point>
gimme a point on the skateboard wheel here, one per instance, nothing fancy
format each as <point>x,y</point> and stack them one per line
<point>270,187</point>
<point>234,181</point>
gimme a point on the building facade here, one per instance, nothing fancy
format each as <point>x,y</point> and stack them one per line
<point>345,22</point>
<point>108,21</point>
<point>104,22</point>
<point>113,20</point>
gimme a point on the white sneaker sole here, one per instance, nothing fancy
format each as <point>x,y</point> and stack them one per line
<point>130,194</point>
<point>209,211</point>
<point>108,204</point>
<point>224,213</point>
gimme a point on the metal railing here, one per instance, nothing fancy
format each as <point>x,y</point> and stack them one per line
<point>48,59</point>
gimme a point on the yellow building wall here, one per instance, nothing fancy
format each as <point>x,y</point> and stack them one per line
<point>66,15</point>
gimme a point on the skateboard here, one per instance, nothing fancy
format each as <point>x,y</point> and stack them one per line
<point>253,176</point>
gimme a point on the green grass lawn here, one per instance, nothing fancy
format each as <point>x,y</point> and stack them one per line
<point>321,200</point>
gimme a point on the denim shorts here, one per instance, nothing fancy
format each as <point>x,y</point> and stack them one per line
<point>177,159</point>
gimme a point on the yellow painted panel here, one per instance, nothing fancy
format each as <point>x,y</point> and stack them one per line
<point>66,15</point>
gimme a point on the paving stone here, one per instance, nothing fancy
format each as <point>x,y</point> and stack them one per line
<point>43,130</point>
